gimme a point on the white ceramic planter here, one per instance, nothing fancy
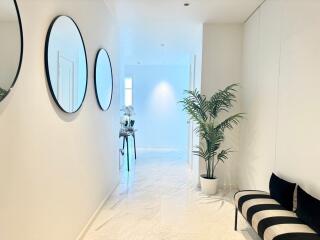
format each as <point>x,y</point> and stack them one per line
<point>208,186</point>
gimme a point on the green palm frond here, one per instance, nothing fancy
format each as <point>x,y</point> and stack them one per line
<point>196,105</point>
<point>3,93</point>
<point>222,100</point>
<point>223,155</point>
<point>230,122</point>
<point>202,152</point>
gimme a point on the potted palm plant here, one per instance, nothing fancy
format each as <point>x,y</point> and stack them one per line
<point>206,113</point>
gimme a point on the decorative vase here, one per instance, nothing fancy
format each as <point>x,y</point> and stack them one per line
<point>208,186</point>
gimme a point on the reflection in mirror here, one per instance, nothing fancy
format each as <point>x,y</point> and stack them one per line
<point>66,64</point>
<point>103,79</point>
<point>11,45</point>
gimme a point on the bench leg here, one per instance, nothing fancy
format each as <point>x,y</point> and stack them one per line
<point>236,220</point>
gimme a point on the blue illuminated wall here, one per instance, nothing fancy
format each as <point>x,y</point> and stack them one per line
<point>161,123</point>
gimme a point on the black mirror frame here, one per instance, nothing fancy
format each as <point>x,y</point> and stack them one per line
<point>95,78</point>
<point>47,64</point>
<point>21,50</point>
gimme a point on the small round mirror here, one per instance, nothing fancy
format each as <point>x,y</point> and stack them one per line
<point>103,79</point>
<point>66,64</point>
<point>11,46</point>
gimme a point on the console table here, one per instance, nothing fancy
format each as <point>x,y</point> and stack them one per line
<point>125,133</point>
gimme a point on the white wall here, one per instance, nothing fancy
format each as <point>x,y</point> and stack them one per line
<point>222,55</point>
<point>281,95</point>
<point>259,97</point>
<point>56,168</point>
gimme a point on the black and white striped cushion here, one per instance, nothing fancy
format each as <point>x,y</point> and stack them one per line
<point>269,219</point>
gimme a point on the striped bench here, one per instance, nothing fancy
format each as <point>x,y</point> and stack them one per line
<point>269,219</point>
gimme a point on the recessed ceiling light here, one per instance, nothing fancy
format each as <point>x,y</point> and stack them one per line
<point>186,4</point>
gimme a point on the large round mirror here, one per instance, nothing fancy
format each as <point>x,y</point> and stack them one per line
<point>66,64</point>
<point>103,79</point>
<point>11,46</point>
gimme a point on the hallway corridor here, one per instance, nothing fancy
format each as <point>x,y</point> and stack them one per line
<point>158,202</point>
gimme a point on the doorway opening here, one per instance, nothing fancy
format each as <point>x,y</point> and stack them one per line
<point>154,92</point>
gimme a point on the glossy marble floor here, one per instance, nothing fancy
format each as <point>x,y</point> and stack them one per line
<point>157,201</point>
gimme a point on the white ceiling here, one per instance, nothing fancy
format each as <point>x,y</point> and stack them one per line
<point>199,10</point>
<point>146,24</point>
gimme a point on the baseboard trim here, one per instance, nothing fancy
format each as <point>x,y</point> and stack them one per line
<point>95,214</point>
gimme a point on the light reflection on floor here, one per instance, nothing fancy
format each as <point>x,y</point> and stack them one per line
<point>156,201</point>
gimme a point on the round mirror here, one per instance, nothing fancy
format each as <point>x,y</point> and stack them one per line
<point>66,64</point>
<point>11,46</point>
<point>103,79</point>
